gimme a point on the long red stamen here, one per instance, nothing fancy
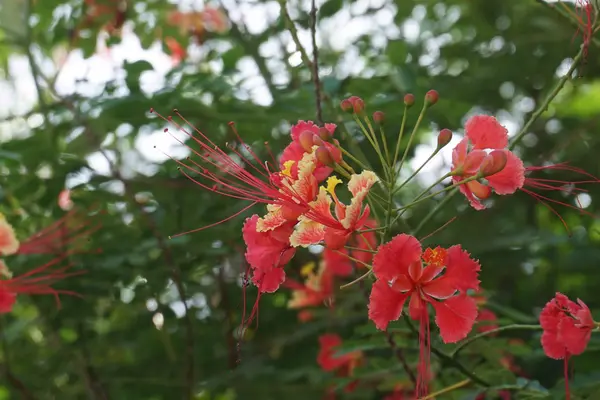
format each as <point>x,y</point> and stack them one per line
<point>235,180</point>
<point>423,368</point>
<point>566,372</point>
<point>55,238</point>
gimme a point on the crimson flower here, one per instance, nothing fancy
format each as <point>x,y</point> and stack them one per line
<point>317,289</point>
<point>470,157</point>
<point>363,244</point>
<point>437,277</point>
<point>267,253</point>
<point>567,330</point>
<point>343,365</point>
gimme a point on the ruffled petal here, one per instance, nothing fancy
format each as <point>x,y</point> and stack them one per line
<point>307,233</point>
<point>485,132</point>
<point>575,339</point>
<point>264,250</point>
<point>359,185</point>
<point>302,126</point>
<point>455,317</point>
<point>461,270</point>
<point>511,178</point>
<point>385,304</point>
<point>439,288</point>
<point>459,153</point>
<point>552,346</point>
<point>273,219</point>
<point>394,257</point>
<point>268,280</point>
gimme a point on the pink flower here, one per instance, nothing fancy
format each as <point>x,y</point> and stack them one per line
<point>436,277</point>
<point>485,132</point>
<point>470,158</point>
<point>567,329</point>
<point>267,253</point>
<point>64,200</point>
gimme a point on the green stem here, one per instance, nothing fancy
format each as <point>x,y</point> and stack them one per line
<point>417,171</point>
<point>472,339</point>
<point>400,134</point>
<point>412,134</point>
<point>370,135</point>
<point>434,210</point>
<point>420,198</point>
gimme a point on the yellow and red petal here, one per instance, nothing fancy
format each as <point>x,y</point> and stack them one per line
<point>307,233</point>
<point>362,182</point>
<point>455,317</point>
<point>8,240</point>
<point>485,132</point>
<point>273,219</point>
<point>394,257</point>
<point>385,304</point>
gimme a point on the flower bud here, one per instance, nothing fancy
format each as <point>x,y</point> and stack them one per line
<point>324,156</point>
<point>346,105</point>
<point>431,97</point>
<point>379,117</point>
<point>335,151</point>
<point>358,105</point>
<point>444,138</point>
<point>493,163</point>
<point>317,141</point>
<point>324,134</point>
<point>306,140</point>
<point>409,99</point>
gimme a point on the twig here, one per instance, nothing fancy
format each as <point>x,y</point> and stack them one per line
<point>231,345</point>
<point>470,340</point>
<point>315,64</point>
<point>294,32</point>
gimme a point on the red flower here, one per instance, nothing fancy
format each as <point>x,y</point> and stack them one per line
<point>486,317</point>
<point>567,329</point>
<point>267,253</point>
<point>317,289</point>
<point>319,225</point>
<point>343,365</point>
<point>438,277</point>
<point>364,243</point>
<point>485,132</point>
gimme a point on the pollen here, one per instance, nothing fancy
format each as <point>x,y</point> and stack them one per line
<point>287,168</point>
<point>332,182</point>
<point>435,257</point>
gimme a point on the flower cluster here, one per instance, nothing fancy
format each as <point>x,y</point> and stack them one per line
<point>317,192</point>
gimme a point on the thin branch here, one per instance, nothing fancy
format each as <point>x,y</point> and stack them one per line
<point>294,32</point>
<point>315,63</point>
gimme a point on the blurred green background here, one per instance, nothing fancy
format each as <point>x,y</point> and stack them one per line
<point>159,317</point>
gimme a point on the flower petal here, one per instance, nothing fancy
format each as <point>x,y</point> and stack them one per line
<point>575,339</point>
<point>464,189</point>
<point>307,233</point>
<point>273,219</point>
<point>461,269</point>
<point>455,317</point>
<point>268,280</point>
<point>439,288</point>
<point>8,240</point>
<point>394,257</point>
<point>359,185</point>
<point>485,132</point>
<point>511,178</point>
<point>385,304</point>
